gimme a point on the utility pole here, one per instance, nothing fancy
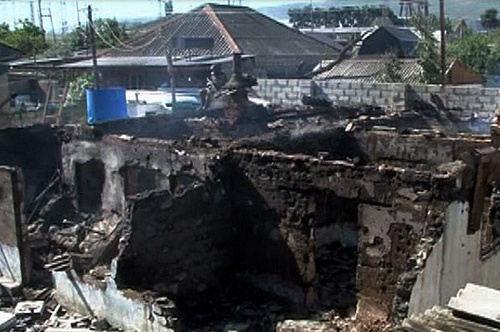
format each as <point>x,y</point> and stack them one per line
<point>312,16</point>
<point>32,12</point>
<point>171,72</point>
<point>78,13</point>
<point>52,25</point>
<point>40,14</point>
<point>93,46</point>
<point>443,43</point>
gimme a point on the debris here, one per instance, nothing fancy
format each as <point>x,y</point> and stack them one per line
<point>6,321</point>
<point>31,308</point>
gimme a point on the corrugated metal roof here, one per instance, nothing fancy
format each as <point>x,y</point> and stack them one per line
<point>151,61</point>
<point>370,70</point>
<point>401,33</point>
<point>233,28</point>
<point>8,53</point>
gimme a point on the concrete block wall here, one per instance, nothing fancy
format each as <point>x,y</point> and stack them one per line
<point>387,95</point>
<point>283,91</point>
<point>466,101</point>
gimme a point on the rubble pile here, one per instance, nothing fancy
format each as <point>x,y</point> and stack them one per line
<point>303,219</point>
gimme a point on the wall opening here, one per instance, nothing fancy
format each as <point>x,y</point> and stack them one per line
<point>336,252</point>
<point>89,180</point>
<point>138,180</point>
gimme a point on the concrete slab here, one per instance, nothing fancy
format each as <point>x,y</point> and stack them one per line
<point>478,301</point>
<point>6,321</point>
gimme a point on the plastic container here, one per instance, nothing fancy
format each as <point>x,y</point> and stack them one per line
<point>105,105</point>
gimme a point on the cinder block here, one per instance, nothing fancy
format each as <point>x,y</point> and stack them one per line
<point>344,86</point>
<point>361,93</point>
<point>489,107</point>
<point>374,93</point>
<point>460,91</point>
<point>368,86</point>
<point>475,107</point>
<point>355,100</point>
<point>400,87</point>
<point>305,83</point>
<point>490,92</point>
<point>356,85</point>
<point>368,100</point>
<point>350,92</point>
<point>335,92</point>
<point>434,88</point>
<point>387,94</point>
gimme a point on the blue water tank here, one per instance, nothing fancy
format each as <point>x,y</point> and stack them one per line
<point>106,105</point>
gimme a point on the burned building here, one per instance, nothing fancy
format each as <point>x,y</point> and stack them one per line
<point>162,223</point>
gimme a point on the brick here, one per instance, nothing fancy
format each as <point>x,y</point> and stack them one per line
<point>344,86</point>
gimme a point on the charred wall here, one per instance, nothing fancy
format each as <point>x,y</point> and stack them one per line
<point>182,243</point>
<point>323,234</point>
<point>127,165</point>
<point>36,151</point>
<point>290,209</point>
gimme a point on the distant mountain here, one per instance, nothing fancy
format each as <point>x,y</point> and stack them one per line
<point>467,9</point>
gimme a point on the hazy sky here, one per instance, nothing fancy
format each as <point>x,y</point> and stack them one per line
<point>12,11</point>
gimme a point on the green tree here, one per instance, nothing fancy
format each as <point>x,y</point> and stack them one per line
<point>392,69</point>
<point>4,31</point>
<point>109,33</point>
<point>428,56</point>
<point>480,52</point>
<point>346,16</point>
<point>26,37</point>
<point>490,19</point>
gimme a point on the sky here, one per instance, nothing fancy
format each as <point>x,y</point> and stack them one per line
<point>11,11</point>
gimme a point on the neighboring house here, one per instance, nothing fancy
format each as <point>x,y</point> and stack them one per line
<point>8,53</point>
<point>389,39</point>
<point>209,34</point>
<point>410,71</point>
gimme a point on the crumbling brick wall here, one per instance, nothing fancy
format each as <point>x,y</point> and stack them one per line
<point>180,244</point>
<point>276,199</point>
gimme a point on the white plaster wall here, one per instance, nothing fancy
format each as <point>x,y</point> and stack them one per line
<point>10,258</point>
<point>454,261</point>
<point>110,303</point>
